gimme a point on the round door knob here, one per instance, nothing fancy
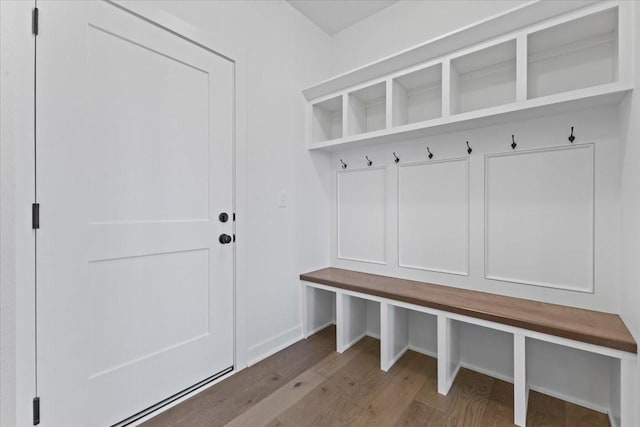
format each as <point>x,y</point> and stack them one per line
<point>223,217</point>
<point>224,239</point>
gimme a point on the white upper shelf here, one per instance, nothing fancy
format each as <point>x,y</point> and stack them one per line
<point>562,55</point>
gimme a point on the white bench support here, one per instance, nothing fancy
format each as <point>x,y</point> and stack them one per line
<point>351,321</point>
<point>394,334</point>
<point>628,403</point>
<point>448,353</point>
<point>318,310</point>
<point>520,389</point>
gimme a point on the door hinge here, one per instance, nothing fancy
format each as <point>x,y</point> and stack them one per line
<point>36,411</point>
<point>35,216</point>
<point>34,21</point>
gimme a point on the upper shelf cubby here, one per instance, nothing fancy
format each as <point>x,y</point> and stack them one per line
<point>573,55</point>
<point>327,120</point>
<point>484,78</point>
<point>417,96</point>
<point>538,59</point>
<point>367,109</point>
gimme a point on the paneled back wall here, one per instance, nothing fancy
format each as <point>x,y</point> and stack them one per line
<point>540,221</point>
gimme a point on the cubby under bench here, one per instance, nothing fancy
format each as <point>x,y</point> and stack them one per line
<point>355,293</point>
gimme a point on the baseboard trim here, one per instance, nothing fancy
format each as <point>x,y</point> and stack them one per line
<point>272,345</point>
<point>570,399</point>
<point>398,356</point>
<point>423,351</point>
<point>373,335</point>
<point>319,328</point>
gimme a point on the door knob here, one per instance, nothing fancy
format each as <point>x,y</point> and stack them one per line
<point>224,239</point>
<point>223,217</point>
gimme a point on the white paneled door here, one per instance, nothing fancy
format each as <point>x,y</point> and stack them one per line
<point>134,165</point>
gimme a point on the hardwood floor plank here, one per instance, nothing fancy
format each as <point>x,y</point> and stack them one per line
<point>385,402</point>
<point>280,400</point>
<point>579,416</point>
<point>330,398</point>
<point>469,396</point>
<point>336,361</point>
<point>499,410</point>
<point>420,415</point>
<point>545,411</point>
<point>428,394</point>
<point>267,409</point>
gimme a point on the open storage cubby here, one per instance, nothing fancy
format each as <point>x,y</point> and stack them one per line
<point>367,109</point>
<point>417,96</point>
<point>320,309</point>
<point>354,319</point>
<point>574,55</point>
<point>574,375</point>
<point>327,120</point>
<point>484,78</point>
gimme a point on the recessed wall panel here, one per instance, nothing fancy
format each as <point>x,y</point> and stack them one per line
<point>121,331</point>
<point>362,215</point>
<point>539,217</point>
<point>147,164</point>
<point>433,216</point>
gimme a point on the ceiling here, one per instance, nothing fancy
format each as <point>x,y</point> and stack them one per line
<point>335,15</point>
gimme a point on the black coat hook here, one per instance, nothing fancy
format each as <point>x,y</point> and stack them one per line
<point>513,142</point>
<point>469,150</point>
<point>369,162</point>
<point>396,160</point>
<point>571,137</point>
<point>430,153</point>
<point>344,165</point>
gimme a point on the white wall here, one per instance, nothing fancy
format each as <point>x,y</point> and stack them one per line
<point>630,202</point>
<point>7,243</point>
<point>406,24</point>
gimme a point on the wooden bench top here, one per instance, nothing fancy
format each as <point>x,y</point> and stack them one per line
<point>578,324</point>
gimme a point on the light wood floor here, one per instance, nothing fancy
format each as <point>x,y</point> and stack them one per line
<point>309,384</point>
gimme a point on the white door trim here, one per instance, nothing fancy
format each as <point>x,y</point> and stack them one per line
<point>24,185</point>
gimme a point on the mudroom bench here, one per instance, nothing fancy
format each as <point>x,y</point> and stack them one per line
<point>587,330</point>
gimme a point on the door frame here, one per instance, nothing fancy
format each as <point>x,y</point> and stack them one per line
<point>25,183</point>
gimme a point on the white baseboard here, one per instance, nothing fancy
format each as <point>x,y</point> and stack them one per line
<point>570,399</point>
<point>352,342</point>
<point>319,328</point>
<point>398,356</point>
<point>274,344</point>
<point>424,351</point>
<point>373,335</point>
<point>612,420</point>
